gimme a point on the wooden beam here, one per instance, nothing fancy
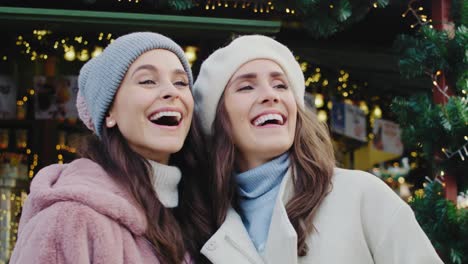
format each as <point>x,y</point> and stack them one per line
<point>443,21</point>
<point>137,20</point>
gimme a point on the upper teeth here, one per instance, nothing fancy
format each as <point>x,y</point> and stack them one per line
<point>262,119</point>
<point>166,113</point>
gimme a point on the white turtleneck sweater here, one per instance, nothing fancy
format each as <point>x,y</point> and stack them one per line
<point>165,181</point>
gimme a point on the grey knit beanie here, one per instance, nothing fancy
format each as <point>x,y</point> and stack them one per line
<point>218,68</point>
<point>101,76</point>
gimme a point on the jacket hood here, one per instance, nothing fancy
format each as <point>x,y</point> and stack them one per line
<point>84,181</point>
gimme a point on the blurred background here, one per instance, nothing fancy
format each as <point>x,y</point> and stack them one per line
<point>390,78</point>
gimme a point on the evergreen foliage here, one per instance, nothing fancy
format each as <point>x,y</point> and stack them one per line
<point>321,18</point>
<point>431,50</point>
<point>180,5</point>
<point>431,127</point>
<point>444,224</point>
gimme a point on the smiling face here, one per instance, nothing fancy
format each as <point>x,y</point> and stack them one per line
<point>262,111</point>
<point>154,105</point>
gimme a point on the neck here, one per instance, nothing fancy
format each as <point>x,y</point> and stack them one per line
<point>161,158</point>
<point>248,162</point>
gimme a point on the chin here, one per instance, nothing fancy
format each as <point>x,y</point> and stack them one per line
<point>171,149</point>
<point>275,151</point>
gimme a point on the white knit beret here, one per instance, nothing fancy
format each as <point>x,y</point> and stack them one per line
<point>220,66</point>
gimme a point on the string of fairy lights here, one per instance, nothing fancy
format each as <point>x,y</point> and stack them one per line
<point>72,48</point>
<point>255,6</point>
<point>317,80</point>
<point>36,45</point>
<point>259,6</point>
<point>9,216</point>
<point>422,19</point>
<point>417,12</point>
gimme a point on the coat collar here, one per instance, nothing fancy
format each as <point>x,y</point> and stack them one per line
<point>281,245</point>
<point>232,244</point>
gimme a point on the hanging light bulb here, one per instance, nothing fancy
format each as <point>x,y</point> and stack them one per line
<point>191,54</point>
<point>97,51</point>
<point>83,55</point>
<point>363,107</point>
<point>70,54</point>
<point>319,100</point>
<point>377,112</point>
<point>322,116</point>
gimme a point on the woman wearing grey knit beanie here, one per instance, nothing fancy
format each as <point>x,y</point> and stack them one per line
<point>135,196</point>
<point>276,193</point>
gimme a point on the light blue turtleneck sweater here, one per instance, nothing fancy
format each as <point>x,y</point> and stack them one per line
<point>258,189</point>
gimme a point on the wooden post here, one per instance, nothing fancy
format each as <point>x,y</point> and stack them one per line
<point>441,20</point>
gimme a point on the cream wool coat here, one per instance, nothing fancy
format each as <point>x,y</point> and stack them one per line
<point>361,221</point>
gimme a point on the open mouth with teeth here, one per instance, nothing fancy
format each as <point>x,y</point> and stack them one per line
<point>167,118</point>
<point>268,119</point>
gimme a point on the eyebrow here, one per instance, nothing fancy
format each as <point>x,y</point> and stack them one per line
<point>276,74</point>
<point>254,75</point>
<point>154,69</point>
<point>180,72</point>
<point>145,67</point>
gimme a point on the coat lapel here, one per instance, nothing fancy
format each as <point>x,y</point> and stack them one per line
<point>231,243</point>
<point>281,245</point>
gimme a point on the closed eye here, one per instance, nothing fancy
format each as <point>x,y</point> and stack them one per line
<point>281,86</point>
<point>245,88</point>
<point>181,83</point>
<point>147,82</point>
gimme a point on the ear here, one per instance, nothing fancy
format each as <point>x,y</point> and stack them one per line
<point>110,121</point>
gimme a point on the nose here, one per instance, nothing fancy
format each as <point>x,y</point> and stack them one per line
<point>269,95</point>
<point>170,92</point>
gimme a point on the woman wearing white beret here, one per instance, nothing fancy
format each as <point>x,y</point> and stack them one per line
<point>277,195</point>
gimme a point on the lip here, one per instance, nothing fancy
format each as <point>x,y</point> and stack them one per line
<point>167,109</point>
<point>285,119</point>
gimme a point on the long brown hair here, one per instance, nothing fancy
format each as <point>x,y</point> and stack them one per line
<point>312,159</point>
<point>173,232</point>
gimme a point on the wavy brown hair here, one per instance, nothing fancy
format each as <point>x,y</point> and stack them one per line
<point>173,232</point>
<point>312,159</point>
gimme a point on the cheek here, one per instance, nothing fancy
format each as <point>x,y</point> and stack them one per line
<point>129,103</point>
<point>291,104</point>
<point>292,112</point>
<point>238,107</point>
<point>187,100</point>
<point>236,117</point>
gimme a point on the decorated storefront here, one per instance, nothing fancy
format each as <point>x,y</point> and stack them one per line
<point>390,85</point>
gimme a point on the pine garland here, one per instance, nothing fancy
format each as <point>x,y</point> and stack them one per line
<point>431,51</point>
<point>444,224</point>
<point>439,131</point>
<point>431,128</point>
<point>180,5</point>
<point>321,18</point>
